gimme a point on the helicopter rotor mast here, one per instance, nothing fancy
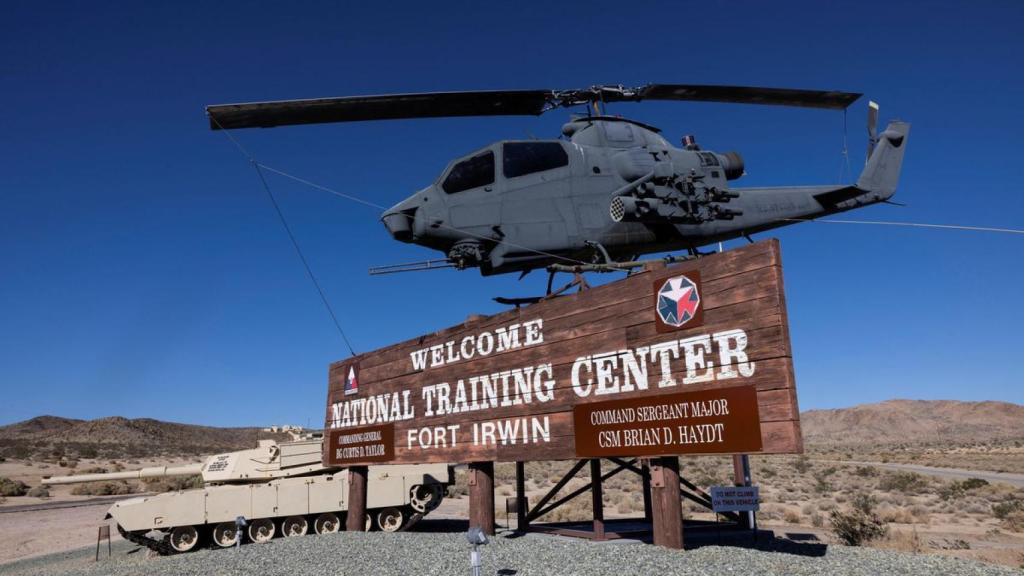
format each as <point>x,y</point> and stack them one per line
<point>501,103</point>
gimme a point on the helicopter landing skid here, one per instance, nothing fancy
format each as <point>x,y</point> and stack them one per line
<point>579,280</point>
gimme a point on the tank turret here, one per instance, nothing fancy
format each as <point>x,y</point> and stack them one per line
<point>278,488</point>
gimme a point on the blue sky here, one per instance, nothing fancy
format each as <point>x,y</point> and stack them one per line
<point>143,271</point>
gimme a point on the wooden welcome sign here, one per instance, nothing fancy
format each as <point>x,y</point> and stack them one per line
<point>692,358</point>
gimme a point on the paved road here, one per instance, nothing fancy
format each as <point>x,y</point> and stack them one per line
<point>99,500</point>
<point>951,473</point>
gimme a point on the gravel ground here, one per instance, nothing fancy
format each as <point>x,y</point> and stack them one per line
<point>534,554</point>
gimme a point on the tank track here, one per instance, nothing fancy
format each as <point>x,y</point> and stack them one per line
<point>161,547</point>
<point>416,517</point>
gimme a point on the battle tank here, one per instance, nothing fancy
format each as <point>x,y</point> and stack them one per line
<point>278,488</point>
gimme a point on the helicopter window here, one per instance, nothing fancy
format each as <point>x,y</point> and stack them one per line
<point>471,173</point>
<point>521,158</point>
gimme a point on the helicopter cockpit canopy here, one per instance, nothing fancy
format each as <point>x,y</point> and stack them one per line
<point>468,173</point>
<point>518,158</point>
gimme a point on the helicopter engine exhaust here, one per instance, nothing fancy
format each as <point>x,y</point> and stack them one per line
<point>732,163</point>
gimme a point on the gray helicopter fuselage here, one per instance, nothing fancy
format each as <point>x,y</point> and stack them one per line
<point>520,205</point>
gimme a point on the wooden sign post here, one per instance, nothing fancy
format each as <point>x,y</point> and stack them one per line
<point>356,519</point>
<point>692,358</point>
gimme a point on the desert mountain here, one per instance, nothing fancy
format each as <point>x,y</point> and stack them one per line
<point>116,437</point>
<point>890,422</point>
<point>915,421</point>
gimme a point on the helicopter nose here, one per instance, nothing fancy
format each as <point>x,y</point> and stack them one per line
<point>399,223</point>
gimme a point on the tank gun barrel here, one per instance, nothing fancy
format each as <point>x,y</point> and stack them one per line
<point>151,472</point>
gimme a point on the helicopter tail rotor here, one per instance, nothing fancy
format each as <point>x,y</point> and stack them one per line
<point>872,129</point>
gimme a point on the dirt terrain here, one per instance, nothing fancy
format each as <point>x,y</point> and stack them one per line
<point>933,495</point>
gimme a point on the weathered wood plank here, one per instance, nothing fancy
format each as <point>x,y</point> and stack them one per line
<point>599,345</point>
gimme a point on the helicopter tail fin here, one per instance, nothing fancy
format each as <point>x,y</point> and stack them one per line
<point>882,171</point>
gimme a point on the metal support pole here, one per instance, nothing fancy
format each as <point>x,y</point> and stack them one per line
<point>646,477</point>
<point>481,496</point>
<point>667,503</point>
<point>598,498</point>
<point>741,471</point>
<point>356,520</point>
<point>522,521</point>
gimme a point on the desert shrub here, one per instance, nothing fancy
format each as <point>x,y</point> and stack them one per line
<point>952,491</point>
<point>173,483</point>
<point>920,514</point>
<point>575,509</point>
<point>1014,522</point>
<point>461,486</point>
<point>93,470</point>
<point>905,541</point>
<point>866,471</point>
<point>860,524</point>
<point>39,492</point>
<point>956,490</point>
<point>821,484</point>
<point>817,520</point>
<point>791,517</point>
<point>1004,509</point>
<point>974,483</point>
<point>2,459</point>
<point>103,488</point>
<point>10,487</point>
<point>906,482</point>
<point>802,464</point>
<point>87,452</point>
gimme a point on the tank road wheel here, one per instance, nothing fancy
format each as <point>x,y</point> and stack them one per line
<point>261,530</point>
<point>184,538</point>
<point>224,534</point>
<point>390,519</point>
<point>294,526</point>
<point>426,497</point>
<point>327,523</point>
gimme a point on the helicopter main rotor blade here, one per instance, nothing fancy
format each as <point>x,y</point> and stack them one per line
<point>385,107</point>
<point>748,95</point>
<point>500,103</point>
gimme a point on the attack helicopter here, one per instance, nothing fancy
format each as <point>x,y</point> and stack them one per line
<point>609,191</point>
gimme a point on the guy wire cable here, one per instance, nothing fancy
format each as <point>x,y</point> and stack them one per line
<point>291,237</point>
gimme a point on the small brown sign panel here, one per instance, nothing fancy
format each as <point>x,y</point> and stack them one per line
<point>368,444</point>
<point>677,302</point>
<point>717,421</point>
